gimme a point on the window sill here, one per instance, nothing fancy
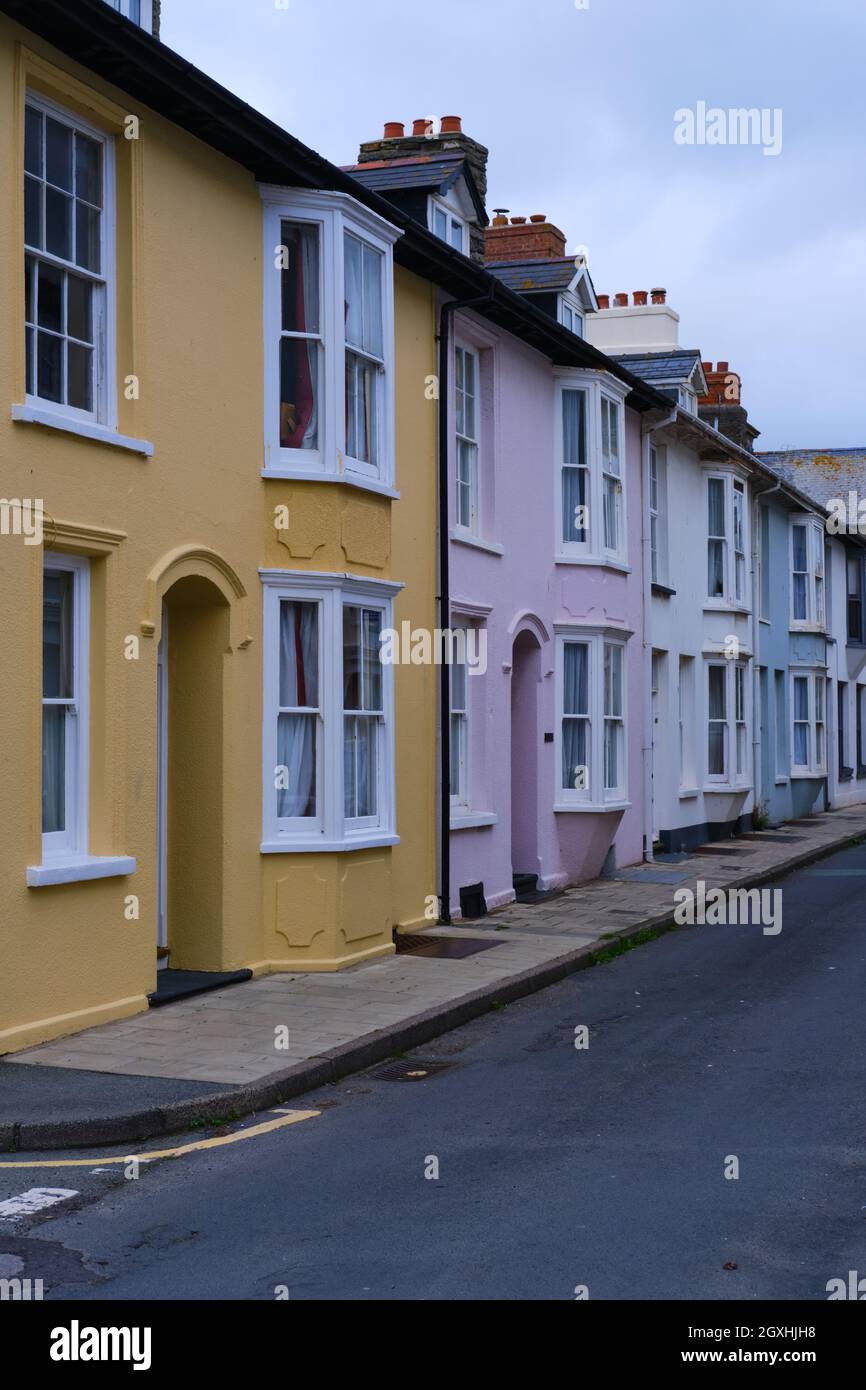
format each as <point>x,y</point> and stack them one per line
<point>472,820</point>
<point>765,621</point>
<point>34,415</point>
<point>814,629</point>
<point>595,807</point>
<point>78,870</point>
<point>728,788</point>
<point>689,793</point>
<point>807,775</point>
<point>372,841</point>
<point>662,590</point>
<point>724,605</point>
<point>462,537</point>
<point>310,475</point>
<point>781,782</point>
<point>602,562</point>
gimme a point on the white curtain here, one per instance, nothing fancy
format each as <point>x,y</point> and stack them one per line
<point>310,271</point>
<point>299,689</point>
<point>575,701</point>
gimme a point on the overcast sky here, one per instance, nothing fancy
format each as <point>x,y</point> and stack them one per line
<point>763,257</point>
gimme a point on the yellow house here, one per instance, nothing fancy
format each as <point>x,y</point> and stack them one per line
<point>217,488</point>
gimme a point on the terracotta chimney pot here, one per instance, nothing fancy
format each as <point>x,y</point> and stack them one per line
<point>518,221</point>
<point>603,301</point>
<point>451,125</point>
<point>394,130</point>
<point>659,296</point>
<point>722,367</point>
<point>538,217</point>
<point>420,127</point>
<point>621,301</point>
<point>640,297</point>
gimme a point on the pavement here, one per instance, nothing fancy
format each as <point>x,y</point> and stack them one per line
<point>240,1049</point>
<point>707,1144</point>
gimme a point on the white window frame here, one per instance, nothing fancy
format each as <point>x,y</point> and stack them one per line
<point>330,830</point>
<point>599,387</point>
<point>461,800</point>
<point>594,796</point>
<point>334,215</point>
<point>569,311</point>
<point>715,781</point>
<point>468,350</point>
<point>456,222</point>
<point>816,589</point>
<point>145,19</point>
<point>814,767</point>
<point>657,493</point>
<point>729,599</point>
<point>72,841</point>
<point>104,284</point>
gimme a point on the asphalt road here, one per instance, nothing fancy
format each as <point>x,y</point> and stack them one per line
<point>557,1167</point>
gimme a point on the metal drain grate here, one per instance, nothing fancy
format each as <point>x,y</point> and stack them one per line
<point>443,947</point>
<point>417,1069</point>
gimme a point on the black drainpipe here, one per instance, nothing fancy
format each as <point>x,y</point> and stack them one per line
<point>446,313</point>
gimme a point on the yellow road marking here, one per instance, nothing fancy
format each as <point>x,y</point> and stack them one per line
<point>288,1117</point>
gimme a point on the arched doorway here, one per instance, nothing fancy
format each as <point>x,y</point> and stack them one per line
<point>525,678</point>
<point>194,640</point>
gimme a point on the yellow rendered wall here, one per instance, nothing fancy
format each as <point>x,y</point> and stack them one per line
<point>194,521</point>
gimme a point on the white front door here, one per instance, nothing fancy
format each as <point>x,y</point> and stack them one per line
<point>162,794</point>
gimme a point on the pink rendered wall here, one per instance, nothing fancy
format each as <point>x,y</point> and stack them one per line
<point>524,589</point>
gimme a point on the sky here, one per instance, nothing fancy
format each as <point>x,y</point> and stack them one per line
<point>763,256</point>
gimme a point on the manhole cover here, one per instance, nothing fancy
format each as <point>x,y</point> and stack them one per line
<point>418,1069</point>
<point>443,947</point>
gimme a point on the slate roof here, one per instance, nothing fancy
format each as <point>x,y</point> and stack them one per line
<point>437,172</point>
<point>529,277</point>
<point>822,474</point>
<point>660,368</point>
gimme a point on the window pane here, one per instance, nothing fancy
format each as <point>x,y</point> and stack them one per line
<point>299,655</point>
<point>611,514</point>
<point>79,308</point>
<point>296,752</point>
<point>354,310</point>
<point>360,757</point>
<point>373,341</point>
<point>575,762</point>
<point>801,698</point>
<point>300,278</point>
<point>717,692</point>
<point>457,235</point>
<point>456,754</point>
<point>87,249</point>
<point>801,745</point>
<point>29,285</point>
<point>716,750</point>
<point>299,390</point>
<point>574,428</point>
<point>716,569</point>
<point>573,496</point>
<point>351,657</point>
<point>33,142</point>
<point>33,192</point>
<point>575,678</point>
<point>58,224</point>
<point>613,680</point>
<point>800,596</point>
<point>57,599</point>
<point>28,334</point>
<point>49,367</point>
<point>611,755</point>
<point>51,297</point>
<point>362,415</point>
<point>716,507</point>
<point>53,768</point>
<point>440,223</point>
<point>58,154</point>
<point>88,180</point>
<point>800,548</point>
<point>79,376</point>
<point>372,623</point>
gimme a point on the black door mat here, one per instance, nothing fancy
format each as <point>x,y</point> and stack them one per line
<point>442,947</point>
<point>172,985</point>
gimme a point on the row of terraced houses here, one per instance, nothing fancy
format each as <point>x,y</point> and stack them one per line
<point>361,565</point>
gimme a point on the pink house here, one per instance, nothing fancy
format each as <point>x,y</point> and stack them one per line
<point>548,563</point>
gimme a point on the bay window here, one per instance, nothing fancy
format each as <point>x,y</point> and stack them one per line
<point>590,463</point>
<point>328,726</point>
<point>329,330</point>
<point>807,573</point>
<point>727,541</point>
<point>65,691</point>
<point>67,264</point>
<point>727,687</point>
<point>590,740</point>
<point>808,723</point>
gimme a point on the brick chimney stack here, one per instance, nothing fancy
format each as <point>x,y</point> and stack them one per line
<point>722,406</point>
<point>723,385</point>
<point>519,240</point>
